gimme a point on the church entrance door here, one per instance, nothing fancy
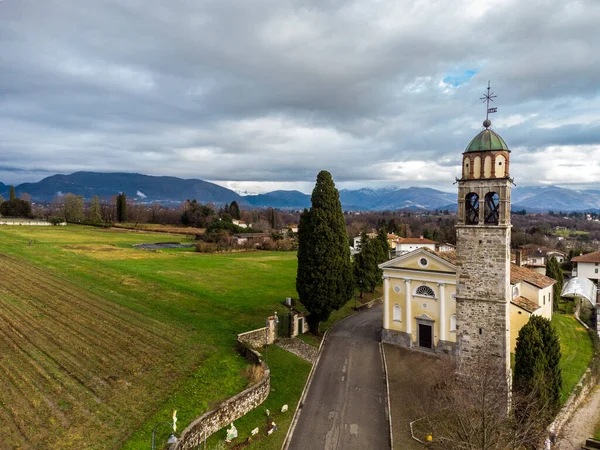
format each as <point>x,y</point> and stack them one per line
<point>425,336</point>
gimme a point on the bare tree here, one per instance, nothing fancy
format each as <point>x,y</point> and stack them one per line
<point>471,413</point>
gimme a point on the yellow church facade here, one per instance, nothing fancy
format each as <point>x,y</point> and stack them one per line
<point>419,305</point>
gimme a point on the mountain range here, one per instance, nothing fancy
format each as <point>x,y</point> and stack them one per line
<point>171,190</point>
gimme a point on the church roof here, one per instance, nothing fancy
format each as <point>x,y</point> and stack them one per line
<point>485,141</point>
<point>525,303</point>
<point>518,274</point>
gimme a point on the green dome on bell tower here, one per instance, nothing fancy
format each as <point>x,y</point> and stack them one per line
<point>487,141</point>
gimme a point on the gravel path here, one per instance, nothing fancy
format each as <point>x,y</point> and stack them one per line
<point>300,348</point>
<point>582,425</point>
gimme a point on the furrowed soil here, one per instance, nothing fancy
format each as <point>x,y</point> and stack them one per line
<point>100,341</point>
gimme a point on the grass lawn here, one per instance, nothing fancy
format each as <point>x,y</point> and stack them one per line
<point>105,340</point>
<point>567,233</point>
<point>577,351</point>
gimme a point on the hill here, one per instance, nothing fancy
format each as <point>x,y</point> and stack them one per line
<point>144,187</point>
<point>175,190</point>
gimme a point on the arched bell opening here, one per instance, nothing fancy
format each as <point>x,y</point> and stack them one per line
<point>472,209</point>
<point>492,208</point>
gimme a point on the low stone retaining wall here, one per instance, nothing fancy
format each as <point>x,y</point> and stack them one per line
<point>583,388</point>
<point>234,407</point>
<point>30,223</point>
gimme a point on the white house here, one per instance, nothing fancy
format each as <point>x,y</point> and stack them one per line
<point>409,244</point>
<point>587,266</point>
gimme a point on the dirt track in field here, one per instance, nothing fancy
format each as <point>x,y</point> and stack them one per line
<point>74,366</point>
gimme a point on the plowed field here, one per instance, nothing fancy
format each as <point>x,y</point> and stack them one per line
<point>70,360</point>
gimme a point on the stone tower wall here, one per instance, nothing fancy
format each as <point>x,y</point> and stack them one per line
<point>483,298</point>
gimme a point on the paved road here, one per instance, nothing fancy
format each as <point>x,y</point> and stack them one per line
<point>345,407</point>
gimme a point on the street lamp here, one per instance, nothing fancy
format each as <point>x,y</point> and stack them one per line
<point>276,320</point>
<point>172,439</point>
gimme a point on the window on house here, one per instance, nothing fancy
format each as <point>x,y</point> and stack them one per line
<point>516,292</point>
<point>397,313</point>
<point>544,299</point>
<point>453,322</point>
<point>425,291</point>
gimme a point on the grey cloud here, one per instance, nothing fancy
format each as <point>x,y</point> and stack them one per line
<point>110,84</point>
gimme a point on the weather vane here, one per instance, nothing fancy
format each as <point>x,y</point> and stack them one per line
<point>487,98</point>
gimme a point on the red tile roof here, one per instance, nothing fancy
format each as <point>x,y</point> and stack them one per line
<point>415,241</point>
<point>518,274</point>
<point>589,258</point>
<point>525,303</point>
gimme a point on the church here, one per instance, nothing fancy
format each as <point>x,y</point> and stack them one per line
<point>472,302</point>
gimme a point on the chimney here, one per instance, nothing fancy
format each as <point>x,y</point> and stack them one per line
<point>518,258</point>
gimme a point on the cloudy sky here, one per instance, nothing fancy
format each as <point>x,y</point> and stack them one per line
<point>262,94</point>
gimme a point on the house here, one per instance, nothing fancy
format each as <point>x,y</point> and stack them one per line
<point>587,266</point>
<point>252,238</point>
<point>409,244</point>
<point>420,305</point>
<point>391,238</point>
<point>445,247</point>
<point>537,255</point>
<point>241,223</point>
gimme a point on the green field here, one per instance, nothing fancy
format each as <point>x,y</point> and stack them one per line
<point>100,341</point>
<point>577,351</point>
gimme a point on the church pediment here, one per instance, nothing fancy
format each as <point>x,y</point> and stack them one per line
<point>423,259</point>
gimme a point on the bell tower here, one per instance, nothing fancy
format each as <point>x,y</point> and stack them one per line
<point>483,256</point>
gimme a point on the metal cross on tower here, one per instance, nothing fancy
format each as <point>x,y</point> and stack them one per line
<point>487,98</point>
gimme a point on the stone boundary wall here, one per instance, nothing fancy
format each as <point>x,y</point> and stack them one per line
<point>256,338</point>
<point>30,223</point>
<point>232,408</point>
<point>371,304</point>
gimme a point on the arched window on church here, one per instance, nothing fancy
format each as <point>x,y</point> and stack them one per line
<point>516,292</point>
<point>425,291</point>
<point>453,322</point>
<point>492,208</point>
<point>397,313</point>
<point>472,209</point>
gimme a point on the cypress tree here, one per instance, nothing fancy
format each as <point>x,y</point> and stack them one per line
<point>553,270</point>
<point>537,372</point>
<point>367,273</point>
<point>121,207</point>
<point>12,193</point>
<point>382,246</point>
<point>552,353</point>
<point>234,210</point>
<point>325,279</point>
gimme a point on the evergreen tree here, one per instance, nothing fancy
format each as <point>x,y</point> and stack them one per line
<point>95,210</point>
<point>553,270</point>
<point>382,246</point>
<point>15,208</point>
<point>537,372</point>
<point>551,348</point>
<point>325,278</point>
<point>234,210</point>
<point>367,273</point>
<point>121,207</point>
<point>12,193</point>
